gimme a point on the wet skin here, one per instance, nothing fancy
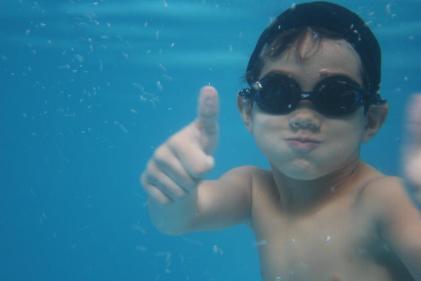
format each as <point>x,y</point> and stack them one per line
<point>310,212</point>
<point>319,213</point>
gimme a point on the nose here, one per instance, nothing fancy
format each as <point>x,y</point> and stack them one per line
<point>304,120</point>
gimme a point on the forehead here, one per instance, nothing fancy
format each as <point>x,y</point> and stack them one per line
<point>317,59</point>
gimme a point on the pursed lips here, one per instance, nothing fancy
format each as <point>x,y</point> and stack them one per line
<point>304,144</point>
<point>304,139</point>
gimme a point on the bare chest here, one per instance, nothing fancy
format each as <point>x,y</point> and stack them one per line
<point>338,242</point>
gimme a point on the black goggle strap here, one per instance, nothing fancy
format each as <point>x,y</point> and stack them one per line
<point>376,99</point>
<point>249,93</point>
<point>373,99</point>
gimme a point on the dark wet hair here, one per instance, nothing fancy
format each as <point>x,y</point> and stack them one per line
<point>327,20</point>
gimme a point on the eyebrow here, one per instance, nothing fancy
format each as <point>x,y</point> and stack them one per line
<point>287,73</point>
<point>326,73</point>
<point>323,73</point>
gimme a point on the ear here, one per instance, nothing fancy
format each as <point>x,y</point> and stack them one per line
<point>245,107</point>
<point>375,118</point>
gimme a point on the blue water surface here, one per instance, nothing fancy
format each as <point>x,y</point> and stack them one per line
<point>88,91</point>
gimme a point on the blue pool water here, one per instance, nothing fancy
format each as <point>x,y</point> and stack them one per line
<point>90,88</point>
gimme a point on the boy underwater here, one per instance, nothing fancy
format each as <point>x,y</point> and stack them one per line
<point>319,213</point>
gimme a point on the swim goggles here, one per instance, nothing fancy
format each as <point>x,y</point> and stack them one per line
<point>335,96</point>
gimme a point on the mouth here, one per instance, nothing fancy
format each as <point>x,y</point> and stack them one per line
<point>303,144</point>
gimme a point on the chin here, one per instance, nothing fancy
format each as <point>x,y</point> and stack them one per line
<point>301,170</point>
<point>303,175</point>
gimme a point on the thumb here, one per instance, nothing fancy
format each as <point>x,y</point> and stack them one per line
<point>413,125</point>
<point>207,118</point>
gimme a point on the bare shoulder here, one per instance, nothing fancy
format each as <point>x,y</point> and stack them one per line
<point>381,191</point>
<point>384,190</point>
<point>257,182</point>
<point>246,176</point>
<point>264,192</point>
<point>242,173</point>
<point>388,200</point>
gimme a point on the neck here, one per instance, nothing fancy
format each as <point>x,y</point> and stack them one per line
<point>301,196</point>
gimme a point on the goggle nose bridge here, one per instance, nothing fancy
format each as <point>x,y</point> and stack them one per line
<point>305,95</point>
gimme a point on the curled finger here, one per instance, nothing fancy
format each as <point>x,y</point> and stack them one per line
<point>194,160</point>
<point>156,194</point>
<point>159,179</point>
<point>169,164</point>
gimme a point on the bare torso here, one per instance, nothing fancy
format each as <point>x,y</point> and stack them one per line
<point>337,240</point>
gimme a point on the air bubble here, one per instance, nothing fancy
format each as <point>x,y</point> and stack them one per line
<point>159,85</point>
<point>328,238</point>
<point>217,250</point>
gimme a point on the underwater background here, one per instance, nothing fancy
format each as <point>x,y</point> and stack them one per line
<point>90,88</point>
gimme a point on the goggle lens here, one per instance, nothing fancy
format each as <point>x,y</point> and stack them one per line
<point>279,97</point>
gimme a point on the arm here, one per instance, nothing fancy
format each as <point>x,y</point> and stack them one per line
<point>179,200</point>
<point>399,222</point>
<point>412,149</point>
<point>213,204</point>
<point>400,219</point>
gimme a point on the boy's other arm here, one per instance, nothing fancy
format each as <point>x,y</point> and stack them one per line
<point>398,216</point>
<point>399,221</point>
<point>412,148</point>
<point>179,200</point>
